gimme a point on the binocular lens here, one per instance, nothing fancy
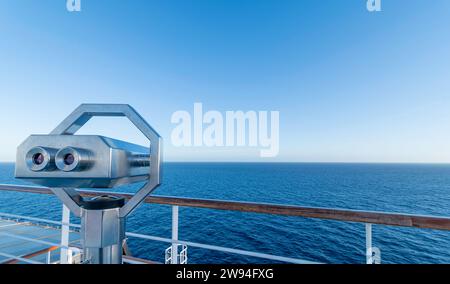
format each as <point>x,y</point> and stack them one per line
<point>69,159</point>
<point>72,159</point>
<point>38,159</point>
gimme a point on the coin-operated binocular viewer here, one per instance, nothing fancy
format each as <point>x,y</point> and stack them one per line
<point>64,162</point>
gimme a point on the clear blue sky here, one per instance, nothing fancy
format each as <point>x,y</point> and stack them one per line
<point>351,86</point>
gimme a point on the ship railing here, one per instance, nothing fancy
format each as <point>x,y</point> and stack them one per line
<point>373,254</point>
<point>181,256</point>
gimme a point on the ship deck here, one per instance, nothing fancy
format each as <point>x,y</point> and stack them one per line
<point>32,242</point>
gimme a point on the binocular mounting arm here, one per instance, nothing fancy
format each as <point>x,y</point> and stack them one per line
<point>79,117</point>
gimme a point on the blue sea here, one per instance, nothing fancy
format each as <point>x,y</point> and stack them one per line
<point>403,188</point>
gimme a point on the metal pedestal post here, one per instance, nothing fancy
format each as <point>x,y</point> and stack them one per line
<point>102,226</point>
<point>102,230</point>
<point>102,235</point>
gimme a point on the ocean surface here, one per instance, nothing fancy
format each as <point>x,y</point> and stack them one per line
<point>403,188</point>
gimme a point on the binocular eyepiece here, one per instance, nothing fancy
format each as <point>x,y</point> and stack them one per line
<point>49,159</point>
<point>72,159</point>
<point>40,158</point>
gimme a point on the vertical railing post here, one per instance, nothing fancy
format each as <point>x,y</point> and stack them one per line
<point>373,254</point>
<point>49,257</point>
<point>369,252</point>
<point>65,231</point>
<point>174,259</point>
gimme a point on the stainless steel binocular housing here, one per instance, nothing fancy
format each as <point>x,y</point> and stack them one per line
<point>62,159</point>
<point>81,161</point>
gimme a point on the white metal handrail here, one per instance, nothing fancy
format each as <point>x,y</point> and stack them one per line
<point>223,249</point>
<point>15,216</point>
<point>161,239</point>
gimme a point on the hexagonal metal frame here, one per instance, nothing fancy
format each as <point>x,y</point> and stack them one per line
<point>81,115</point>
